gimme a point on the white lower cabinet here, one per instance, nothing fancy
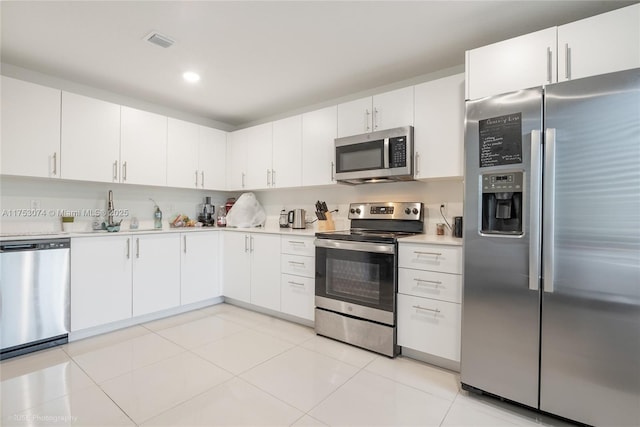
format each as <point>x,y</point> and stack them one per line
<point>429,299</point>
<point>297,295</point>
<point>297,282</point>
<point>156,273</point>
<point>101,280</point>
<point>429,326</point>
<point>252,268</point>
<point>199,266</point>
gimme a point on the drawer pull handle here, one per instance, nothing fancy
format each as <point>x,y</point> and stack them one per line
<point>296,283</point>
<point>297,263</point>
<point>433,310</point>
<point>430,282</point>
<point>427,253</point>
<point>294,242</point>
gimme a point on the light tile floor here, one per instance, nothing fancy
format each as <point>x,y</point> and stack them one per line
<point>226,366</point>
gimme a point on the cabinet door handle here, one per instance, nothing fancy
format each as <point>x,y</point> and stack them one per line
<point>433,310</point>
<point>273,177</point>
<point>55,163</point>
<point>128,248</point>
<point>417,164</point>
<point>242,179</point>
<point>367,128</point>
<point>295,283</point>
<point>196,179</point>
<point>332,169</point>
<point>427,253</point>
<point>124,171</point>
<point>115,170</point>
<point>375,118</point>
<point>435,283</point>
<point>202,178</point>
<point>246,247</point>
<point>549,61</point>
<point>567,61</point>
<point>268,177</point>
<point>137,248</point>
<point>185,244</point>
<point>251,243</point>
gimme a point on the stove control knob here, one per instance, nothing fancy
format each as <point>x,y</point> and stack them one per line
<point>358,211</point>
<point>352,210</point>
<point>407,211</point>
<point>415,211</point>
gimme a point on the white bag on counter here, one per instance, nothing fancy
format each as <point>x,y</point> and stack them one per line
<point>246,212</point>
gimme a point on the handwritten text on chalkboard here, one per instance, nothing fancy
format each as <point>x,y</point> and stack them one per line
<point>501,140</point>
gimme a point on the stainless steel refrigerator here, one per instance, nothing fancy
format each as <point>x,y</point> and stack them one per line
<point>551,299</point>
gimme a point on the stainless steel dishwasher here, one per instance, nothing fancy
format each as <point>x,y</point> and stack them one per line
<point>34,295</point>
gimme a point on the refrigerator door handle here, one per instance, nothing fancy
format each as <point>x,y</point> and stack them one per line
<point>548,201</point>
<point>534,221</point>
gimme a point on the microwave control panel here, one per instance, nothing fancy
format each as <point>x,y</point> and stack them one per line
<point>398,152</point>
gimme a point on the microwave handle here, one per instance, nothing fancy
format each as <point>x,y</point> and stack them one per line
<point>386,153</point>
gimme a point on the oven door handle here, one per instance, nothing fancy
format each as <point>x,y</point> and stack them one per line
<point>356,246</point>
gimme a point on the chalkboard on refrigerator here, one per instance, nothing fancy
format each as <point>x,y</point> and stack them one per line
<point>501,140</point>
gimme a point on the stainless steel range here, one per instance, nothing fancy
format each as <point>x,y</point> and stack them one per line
<point>357,274</point>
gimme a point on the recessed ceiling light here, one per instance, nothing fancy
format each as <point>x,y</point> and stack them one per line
<point>191,77</point>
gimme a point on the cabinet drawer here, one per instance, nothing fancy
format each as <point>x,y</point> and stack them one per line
<point>298,265</point>
<point>429,326</point>
<point>298,296</point>
<point>296,245</point>
<point>430,284</point>
<point>442,258</point>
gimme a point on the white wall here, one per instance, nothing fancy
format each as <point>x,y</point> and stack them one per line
<point>432,194</point>
<point>57,195</point>
<point>18,192</point>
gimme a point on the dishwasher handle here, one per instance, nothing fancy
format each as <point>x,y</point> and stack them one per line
<point>34,245</point>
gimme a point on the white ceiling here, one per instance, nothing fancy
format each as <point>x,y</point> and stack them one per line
<point>260,59</point>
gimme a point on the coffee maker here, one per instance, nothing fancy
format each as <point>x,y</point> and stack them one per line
<point>207,213</point>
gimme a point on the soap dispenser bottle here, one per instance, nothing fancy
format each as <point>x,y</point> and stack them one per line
<point>157,218</point>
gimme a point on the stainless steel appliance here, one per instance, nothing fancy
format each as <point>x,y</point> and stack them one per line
<point>380,156</point>
<point>551,302</point>
<point>34,295</point>
<point>297,219</point>
<point>357,272</point>
<point>207,215</point>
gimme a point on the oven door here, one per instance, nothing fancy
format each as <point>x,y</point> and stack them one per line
<point>357,278</point>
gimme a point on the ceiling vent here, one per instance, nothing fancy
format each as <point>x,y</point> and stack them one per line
<point>159,39</point>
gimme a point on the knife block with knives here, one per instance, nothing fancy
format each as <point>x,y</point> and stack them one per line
<point>326,224</point>
<point>325,221</point>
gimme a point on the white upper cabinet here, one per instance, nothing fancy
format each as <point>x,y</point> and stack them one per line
<point>354,117</point>
<point>383,111</point>
<point>319,129</point>
<point>393,109</point>
<point>287,153</point>
<point>259,156</point>
<point>439,128</point>
<point>237,159</point>
<point>90,139</point>
<point>513,64</point>
<point>182,154</point>
<point>195,156</point>
<point>30,129</point>
<point>143,149</point>
<point>600,44</point>
<point>212,148</point>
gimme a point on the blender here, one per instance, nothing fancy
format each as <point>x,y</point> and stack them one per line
<point>207,213</point>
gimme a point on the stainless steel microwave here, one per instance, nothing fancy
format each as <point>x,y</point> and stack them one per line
<point>381,156</point>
